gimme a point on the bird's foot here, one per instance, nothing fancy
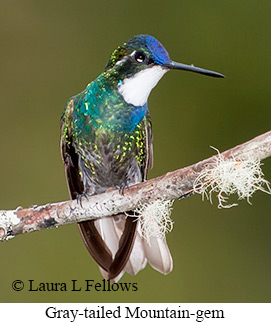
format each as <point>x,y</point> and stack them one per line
<point>123,187</point>
<point>79,198</point>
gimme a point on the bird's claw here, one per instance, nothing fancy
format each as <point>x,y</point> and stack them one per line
<point>122,188</point>
<point>79,198</point>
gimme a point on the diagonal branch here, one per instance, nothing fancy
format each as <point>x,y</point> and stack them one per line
<point>173,185</point>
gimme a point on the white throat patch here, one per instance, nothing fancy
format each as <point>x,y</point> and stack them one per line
<point>136,89</point>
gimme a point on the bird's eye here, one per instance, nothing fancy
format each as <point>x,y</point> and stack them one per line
<point>140,57</point>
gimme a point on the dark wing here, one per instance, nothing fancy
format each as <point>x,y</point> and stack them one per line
<point>69,157</point>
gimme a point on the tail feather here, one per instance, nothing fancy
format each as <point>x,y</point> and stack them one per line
<point>137,260</point>
<point>95,244</point>
<point>105,275</point>
<point>107,231</point>
<point>116,224</point>
<point>126,249</point>
<point>158,255</point>
<point>113,251</point>
<point>126,243</point>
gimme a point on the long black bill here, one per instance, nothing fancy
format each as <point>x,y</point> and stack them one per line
<point>179,66</point>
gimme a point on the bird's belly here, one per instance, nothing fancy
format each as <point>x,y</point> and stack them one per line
<point>110,161</point>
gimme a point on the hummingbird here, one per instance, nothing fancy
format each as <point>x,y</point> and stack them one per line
<point>106,142</point>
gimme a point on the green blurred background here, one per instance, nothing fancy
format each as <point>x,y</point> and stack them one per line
<point>50,50</point>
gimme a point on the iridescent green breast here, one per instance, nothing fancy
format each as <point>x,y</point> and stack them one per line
<point>101,106</point>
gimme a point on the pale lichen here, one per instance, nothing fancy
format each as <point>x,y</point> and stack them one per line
<point>155,218</point>
<point>241,176</point>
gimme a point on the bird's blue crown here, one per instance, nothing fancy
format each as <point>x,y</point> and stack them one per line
<point>145,43</point>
